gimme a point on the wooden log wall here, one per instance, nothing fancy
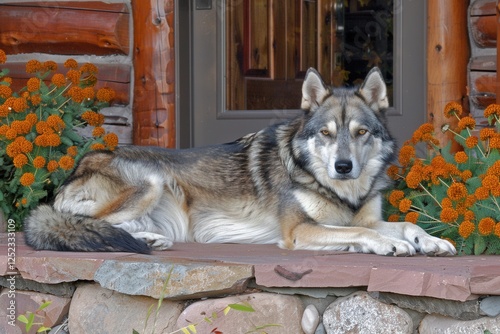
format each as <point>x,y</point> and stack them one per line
<point>447,58</point>
<point>103,32</point>
<point>482,71</point>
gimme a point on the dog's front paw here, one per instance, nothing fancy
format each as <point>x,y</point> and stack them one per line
<point>427,244</point>
<point>391,247</point>
<point>154,240</point>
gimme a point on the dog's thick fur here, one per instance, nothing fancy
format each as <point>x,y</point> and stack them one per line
<point>313,182</point>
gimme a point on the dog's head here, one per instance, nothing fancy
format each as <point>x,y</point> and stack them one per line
<point>344,131</point>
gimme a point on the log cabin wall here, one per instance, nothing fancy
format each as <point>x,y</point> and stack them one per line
<point>482,69</point>
<point>131,42</point>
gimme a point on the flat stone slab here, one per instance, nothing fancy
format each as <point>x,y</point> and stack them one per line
<point>225,268</point>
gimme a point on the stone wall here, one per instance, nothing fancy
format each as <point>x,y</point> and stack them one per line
<point>86,307</point>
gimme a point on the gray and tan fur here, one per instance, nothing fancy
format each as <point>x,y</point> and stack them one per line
<point>313,182</point>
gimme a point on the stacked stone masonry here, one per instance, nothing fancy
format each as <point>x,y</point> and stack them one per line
<point>288,291</point>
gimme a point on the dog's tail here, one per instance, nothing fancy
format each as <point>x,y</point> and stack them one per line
<point>49,229</point>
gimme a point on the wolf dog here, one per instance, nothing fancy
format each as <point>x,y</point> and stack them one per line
<point>313,182</point>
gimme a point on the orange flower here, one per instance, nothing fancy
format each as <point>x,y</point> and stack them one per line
<point>492,109</point>
<point>413,179</point>
<point>486,226</point>
<point>76,94</point>
<point>43,128</point>
<point>457,191</point>
<point>495,191</point>
<point>446,203</point>
<point>452,108</point>
<point>466,122</point>
<point>33,84</point>
<point>97,147</point>
<point>497,230</point>
<point>31,119</point>
<point>72,151</point>
<point>39,162</point>
<point>461,157</point>
<point>27,179</point>
<point>58,80</point>
<point>11,134</point>
<point>70,63</point>
<point>466,228</point>
<point>482,193</point>
<point>393,171</point>
<point>50,65</point>
<point>495,142</point>
<point>395,197</point>
<point>3,57</point>
<point>56,123</point>
<point>36,99</point>
<point>4,110</point>
<point>469,215</point>
<point>471,141</point>
<point>66,162</point>
<point>466,174</point>
<point>494,169</point>
<point>105,94</point>
<point>405,205</point>
<point>5,91</point>
<point>412,217</point>
<point>98,131</point>
<point>88,93</point>
<point>73,76</point>
<point>20,160</point>
<point>406,154</point>
<point>393,218</point>
<point>20,104</point>
<point>89,68</point>
<point>486,133</point>
<point>490,181</point>
<point>111,140</point>
<point>33,66</point>
<point>93,118</point>
<point>52,165</point>
<point>448,215</point>
<point>3,129</point>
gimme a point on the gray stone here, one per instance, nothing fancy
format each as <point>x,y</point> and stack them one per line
<point>490,306</point>
<point>360,313</point>
<point>438,324</point>
<point>320,303</point>
<point>64,289</point>
<point>273,314</point>
<point>29,301</point>
<point>310,319</point>
<point>185,281</point>
<point>468,310</point>
<point>98,310</point>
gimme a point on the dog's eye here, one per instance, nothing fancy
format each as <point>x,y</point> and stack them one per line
<point>325,132</point>
<point>362,132</point>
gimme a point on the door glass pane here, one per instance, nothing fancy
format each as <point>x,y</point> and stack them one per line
<point>270,44</point>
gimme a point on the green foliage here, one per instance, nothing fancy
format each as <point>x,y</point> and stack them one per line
<point>28,319</point>
<point>39,141</point>
<point>452,195</point>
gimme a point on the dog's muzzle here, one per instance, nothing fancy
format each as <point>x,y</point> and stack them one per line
<point>343,166</point>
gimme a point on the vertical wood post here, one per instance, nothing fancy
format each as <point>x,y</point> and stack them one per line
<point>447,57</point>
<point>498,53</point>
<point>153,59</point>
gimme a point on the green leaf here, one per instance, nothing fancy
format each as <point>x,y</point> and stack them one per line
<point>242,307</point>
<point>22,318</point>
<point>134,331</point>
<point>226,310</point>
<point>479,245</point>
<point>66,141</point>
<point>43,329</point>
<point>44,305</point>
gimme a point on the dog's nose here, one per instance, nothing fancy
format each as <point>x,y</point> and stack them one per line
<point>343,166</point>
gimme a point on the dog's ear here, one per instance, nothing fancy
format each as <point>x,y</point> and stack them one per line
<point>374,90</point>
<point>314,90</point>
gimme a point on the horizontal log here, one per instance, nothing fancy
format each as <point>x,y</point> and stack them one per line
<point>90,5</point>
<point>484,31</point>
<point>483,63</point>
<point>483,7</point>
<point>273,94</point>
<point>483,87</point>
<point>115,76</point>
<point>54,29</point>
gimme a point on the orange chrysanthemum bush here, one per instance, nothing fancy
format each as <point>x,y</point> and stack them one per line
<point>455,196</point>
<point>39,141</point>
